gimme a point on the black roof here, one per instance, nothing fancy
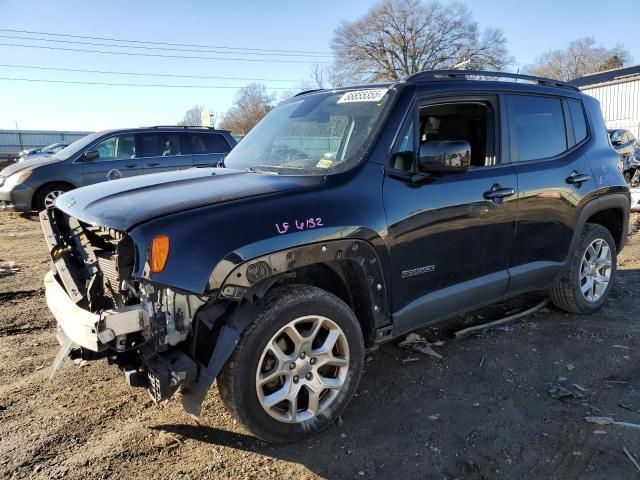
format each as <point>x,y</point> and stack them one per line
<point>607,76</point>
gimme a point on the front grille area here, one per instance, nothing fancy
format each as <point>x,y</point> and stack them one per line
<point>90,261</point>
<point>108,268</point>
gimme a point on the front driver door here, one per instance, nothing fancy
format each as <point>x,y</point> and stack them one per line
<point>450,241</point>
<point>116,159</point>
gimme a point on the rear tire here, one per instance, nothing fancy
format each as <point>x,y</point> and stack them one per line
<point>296,365</point>
<point>592,269</point>
<point>47,194</point>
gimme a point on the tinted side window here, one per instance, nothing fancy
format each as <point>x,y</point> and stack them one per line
<point>536,127</point>
<point>149,145</point>
<point>209,143</point>
<point>578,120</point>
<point>160,144</point>
<point>170,144</point>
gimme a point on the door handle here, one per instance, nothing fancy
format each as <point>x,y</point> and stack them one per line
<point>130,166</point>
<point>154,164</point>
<point>577,178</point>
<point>498,192</point>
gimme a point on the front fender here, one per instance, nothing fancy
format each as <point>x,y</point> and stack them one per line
<point>234,279</point>
<point>207,243</point>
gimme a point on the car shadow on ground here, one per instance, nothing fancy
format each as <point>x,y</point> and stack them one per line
<point>483,411</point>
<point>31,216</point>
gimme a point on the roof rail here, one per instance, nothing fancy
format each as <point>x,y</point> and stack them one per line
<point>182,126</point>
<point>437,75</point>
<point>309,91</point>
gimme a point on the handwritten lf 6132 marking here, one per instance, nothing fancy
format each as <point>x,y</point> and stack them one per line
<point>299,225</point>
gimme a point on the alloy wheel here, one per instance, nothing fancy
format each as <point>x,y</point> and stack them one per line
<point>595,270</point>
<point>302,369</point>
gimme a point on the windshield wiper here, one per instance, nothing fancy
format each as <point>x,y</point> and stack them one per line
<point>261,172</point>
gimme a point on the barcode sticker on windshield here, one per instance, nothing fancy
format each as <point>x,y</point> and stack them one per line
<point>370,95</point>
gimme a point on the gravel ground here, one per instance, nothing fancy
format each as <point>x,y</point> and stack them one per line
<point>482,411</point>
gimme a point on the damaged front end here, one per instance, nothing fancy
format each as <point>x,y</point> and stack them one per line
<point>102,312</point>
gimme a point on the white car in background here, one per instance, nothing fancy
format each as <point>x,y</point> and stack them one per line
<point>635,199</point>
<point>47,151</point>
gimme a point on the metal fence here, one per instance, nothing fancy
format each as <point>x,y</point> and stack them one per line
<point>620,103</point>
<point>13,141</point>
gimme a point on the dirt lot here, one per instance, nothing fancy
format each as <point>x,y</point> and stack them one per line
<point>482,411</point>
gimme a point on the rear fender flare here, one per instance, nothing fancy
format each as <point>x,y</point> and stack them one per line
<point>615,200</point>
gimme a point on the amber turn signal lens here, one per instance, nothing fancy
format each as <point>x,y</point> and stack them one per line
<point>159,253</point>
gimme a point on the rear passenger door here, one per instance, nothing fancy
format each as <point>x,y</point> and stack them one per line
<point>164,151</point>
<point>547,135</point>
<point>208,149</point>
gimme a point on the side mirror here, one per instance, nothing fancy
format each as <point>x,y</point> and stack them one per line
<point>90,155</point>
<point>444,156</point>
<point>615,142</point>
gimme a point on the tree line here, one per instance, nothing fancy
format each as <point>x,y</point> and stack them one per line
<point>397,38</point>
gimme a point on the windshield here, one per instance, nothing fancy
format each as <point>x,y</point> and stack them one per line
<point>317,133</point>
<point>51,147</point>
<point>76,146</point>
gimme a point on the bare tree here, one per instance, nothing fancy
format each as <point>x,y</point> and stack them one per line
<point>327,76</point>
<point>251,103</point>
<point>581,57</point>
<point>399,37</point>
<point>321,76</point>
<point>192,117</point>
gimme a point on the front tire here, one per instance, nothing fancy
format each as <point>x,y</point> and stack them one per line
<point>586,285</point>
<point>296,365</point>
<point>46,196</point>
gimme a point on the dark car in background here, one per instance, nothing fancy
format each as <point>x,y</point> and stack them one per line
<point>35,183</point>
<point>626,144</point>
<point>46,151</point>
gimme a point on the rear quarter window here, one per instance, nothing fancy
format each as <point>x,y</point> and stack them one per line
<point>209,143</point>
<point>578,120</point>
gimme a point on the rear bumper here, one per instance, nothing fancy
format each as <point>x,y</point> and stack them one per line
<point>86,329</point>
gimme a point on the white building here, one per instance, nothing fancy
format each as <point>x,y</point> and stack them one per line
<point>619,94</point>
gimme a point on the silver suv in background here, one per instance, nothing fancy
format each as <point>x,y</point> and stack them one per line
<point>34,184</point>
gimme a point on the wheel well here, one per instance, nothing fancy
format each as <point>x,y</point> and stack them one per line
<point>344,281</point>
<point>612,219</point>
<point>48,184</point>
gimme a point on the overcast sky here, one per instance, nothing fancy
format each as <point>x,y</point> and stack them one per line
<point>530,29</point>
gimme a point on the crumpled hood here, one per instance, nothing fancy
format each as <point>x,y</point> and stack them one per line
<point>125,203</point>
<point>30,163</point>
